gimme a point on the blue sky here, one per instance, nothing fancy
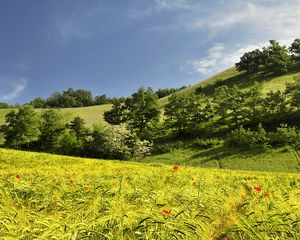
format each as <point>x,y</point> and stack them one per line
<point>115,46</point>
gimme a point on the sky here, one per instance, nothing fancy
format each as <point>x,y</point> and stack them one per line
<point>113,47</point>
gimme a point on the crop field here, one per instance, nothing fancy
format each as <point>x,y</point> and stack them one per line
<point>45,196</point>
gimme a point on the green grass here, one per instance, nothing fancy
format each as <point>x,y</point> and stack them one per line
<point>60,197</point>
<point>92,115</point>
<point>277,160</point>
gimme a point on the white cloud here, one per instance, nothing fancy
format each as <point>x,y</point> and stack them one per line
<point>161,5</point>
<point>219,58</point>
<point>262,19</point>
<point>13,87</point>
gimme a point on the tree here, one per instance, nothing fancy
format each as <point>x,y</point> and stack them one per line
<point>177,114</point>
<point>22,127</point>
<point>221,103</point>
<point>100,100</point>
<point>117,114</point>
<point>52,127</point>
<point>295,47</point>
<point>293,92</point>
<point>277,58</point>
<point>250,61</point>
<point>4,105</point>
<point>254,104</point>
<point>38,103</point>
<point>275,103</point>
<point>142,109</point>
<point>77,126</point>
<point>83,97</point>
<point>59,100</point>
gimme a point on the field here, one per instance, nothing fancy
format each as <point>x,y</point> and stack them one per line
<point>46,196</point>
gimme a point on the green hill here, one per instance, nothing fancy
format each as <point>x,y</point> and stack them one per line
<point>94,114</point>
<point>47,196</point>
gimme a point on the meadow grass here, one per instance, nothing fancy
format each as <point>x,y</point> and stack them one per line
<point>45,196</point>
<point>221,157</point>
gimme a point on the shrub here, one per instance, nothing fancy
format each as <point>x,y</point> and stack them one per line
<point>241,137</point>
<point>142,148</point>
<point>285,136</point>
<point>117,142</point>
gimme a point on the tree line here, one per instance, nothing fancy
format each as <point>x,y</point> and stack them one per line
<point>81,98</point>
<point>47,131</point>
<point>275,58</point>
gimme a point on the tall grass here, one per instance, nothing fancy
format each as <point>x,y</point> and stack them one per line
<point>46,196</point>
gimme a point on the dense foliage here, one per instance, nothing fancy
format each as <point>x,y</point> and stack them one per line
<point>272,59</point>
<point>48,132</point>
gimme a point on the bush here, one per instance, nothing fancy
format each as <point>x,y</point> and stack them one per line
<point>285,136</point>
<point>117,142</point>
<point>241,137</point>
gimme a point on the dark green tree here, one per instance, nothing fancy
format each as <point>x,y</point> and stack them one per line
<point>254,104</point>
<point>22,127</point>
<point>52,127</point>
<point>293,92</point>
<point>100,100</point>
<point>142,109</point>
<point>38,103</point>
<point>277,58</point>
<point>77,126</point>
<point>250,61</point>
<point>117,114</point>
<point>275,103</point>
<point>295,47</point>
<point>177,114</point>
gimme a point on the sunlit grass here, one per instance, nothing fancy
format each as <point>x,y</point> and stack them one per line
<point>72,198</point>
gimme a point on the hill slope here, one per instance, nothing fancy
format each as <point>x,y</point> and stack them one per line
<point>94,114</point>
<point>54,197</point>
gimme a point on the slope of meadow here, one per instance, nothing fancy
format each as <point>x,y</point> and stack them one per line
<point>94,114</point>
<point>47,196</point>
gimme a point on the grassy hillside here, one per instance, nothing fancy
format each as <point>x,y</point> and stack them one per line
<point>94,115</point>
<point>53,197</point>
<point>221,157</point>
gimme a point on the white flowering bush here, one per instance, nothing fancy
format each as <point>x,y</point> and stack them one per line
<point>117,142</point>
<point>142,148</point>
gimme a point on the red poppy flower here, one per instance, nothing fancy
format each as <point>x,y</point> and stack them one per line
<point>175,167</point>
<point>166,212</point>
<point>257,197</point>
<point>267,194</point>
<point>18,177</point>
<point>257,188</point>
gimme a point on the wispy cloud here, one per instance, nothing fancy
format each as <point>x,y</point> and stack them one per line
<point>276,19</point>
<point>160,6</point>
<point>219,57</point>
<point>12,87</point>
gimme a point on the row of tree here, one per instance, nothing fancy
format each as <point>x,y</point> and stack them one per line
<point>82,98</point>
<point>48,132</point>
<point>275,58</point>
<point>226,109</point>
